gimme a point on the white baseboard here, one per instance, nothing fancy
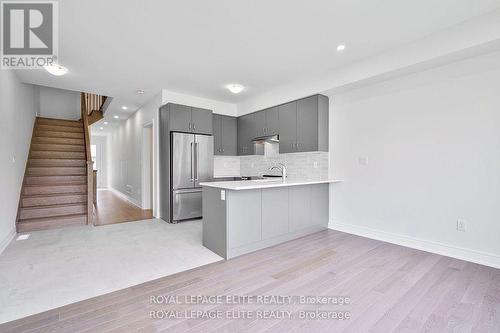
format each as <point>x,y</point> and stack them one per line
<point>126,197</point>
<point>6,241</point>
<point>483,258</point>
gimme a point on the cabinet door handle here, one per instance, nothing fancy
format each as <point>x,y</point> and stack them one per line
<point>194,126</point>
<point>189,125</point>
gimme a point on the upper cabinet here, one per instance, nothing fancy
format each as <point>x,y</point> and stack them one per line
<point>272,121</point>
<point>246,128</point>
<point>287,127</point>
<point>225,137</point>
<point>303,125</point>
<point>190,119</point>
<point>201,120</point>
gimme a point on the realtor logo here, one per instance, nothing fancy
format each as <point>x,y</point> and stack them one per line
<point>29,34</point>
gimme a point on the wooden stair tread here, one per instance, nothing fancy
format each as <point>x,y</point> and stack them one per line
<point>67,122</point>
<point>57,128</point>
<point>60,217</point>
<point>54,206</point>
<point>56,184</point>
<point>52,195</point>
<point>45,223</point>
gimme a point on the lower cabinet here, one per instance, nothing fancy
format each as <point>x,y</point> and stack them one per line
<point>244,214</point>
<point>300,207</point>
<point>259,218</point>
<point>274,212</point>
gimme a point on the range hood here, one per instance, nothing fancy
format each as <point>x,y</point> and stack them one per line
<point>266,145</point>
<point>268,138</point>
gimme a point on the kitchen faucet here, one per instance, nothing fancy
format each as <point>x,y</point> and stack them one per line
<point>282,167</point>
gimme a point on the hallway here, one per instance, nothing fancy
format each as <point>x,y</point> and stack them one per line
<point>112,209</point>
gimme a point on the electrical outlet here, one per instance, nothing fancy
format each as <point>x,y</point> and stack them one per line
<point>461,225</point>
<point>315,164</point>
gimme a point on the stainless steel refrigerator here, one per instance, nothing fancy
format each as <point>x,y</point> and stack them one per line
<point>191,163</point>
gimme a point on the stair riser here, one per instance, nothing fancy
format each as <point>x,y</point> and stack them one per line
<point>52,162</point>
<point>34,190</point>
<point>55,200</point>
<point>52,134</point>
<point>54,171</point>
<point>54,147</point>
<point>59,122</point>
<point>60,223</point>
<point>54,179</point>
<point>57,154</point>
<point>34,213</point>
<point>72,129</point>
<point>61,141</point>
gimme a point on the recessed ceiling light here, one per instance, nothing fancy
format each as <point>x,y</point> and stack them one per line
<point>139,91</point>
<point>56,70</point>
<point>101,128</point>
<point>116,117</point>
<point>23,237</point>
<point>124,108</point>
<point>341,47</point>
<point>235,88</point>
<point>105,123</point>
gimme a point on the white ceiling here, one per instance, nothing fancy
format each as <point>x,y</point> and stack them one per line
<point>114,47</point>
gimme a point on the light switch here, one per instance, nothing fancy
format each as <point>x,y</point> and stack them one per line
<point>363,160</point>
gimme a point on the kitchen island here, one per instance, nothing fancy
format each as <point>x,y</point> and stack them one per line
<point>244,216</point>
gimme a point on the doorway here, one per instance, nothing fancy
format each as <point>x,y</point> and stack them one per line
<point>96,151</point>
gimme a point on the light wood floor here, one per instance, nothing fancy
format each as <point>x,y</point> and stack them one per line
<point>112,209</point>
<point>392,289</point>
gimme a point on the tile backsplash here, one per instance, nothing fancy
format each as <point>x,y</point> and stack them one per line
<point>226,166</point>
<point>307,165</point>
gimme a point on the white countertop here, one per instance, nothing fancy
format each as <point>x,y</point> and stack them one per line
<point>266,183</point>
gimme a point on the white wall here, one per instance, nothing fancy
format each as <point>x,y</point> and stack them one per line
<point>125,152</point>
<point>17,114</point>
<point>58,103</point>
<point>102,142</point>
<point>432,141</point>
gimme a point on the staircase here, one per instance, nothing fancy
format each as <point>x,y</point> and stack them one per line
<point>54,192</point>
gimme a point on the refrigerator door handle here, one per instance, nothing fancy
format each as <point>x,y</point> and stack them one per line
<point>197,155</point>
<point>192,164</point>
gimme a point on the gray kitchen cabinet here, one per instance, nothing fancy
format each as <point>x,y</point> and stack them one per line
<point>259,123</point>
<point>272,121</point>
<point>274,212</point>
<point>245,210</point>
<point>180,118</point>
<point>303,125</point>
<point>190,119</point>
<point>225,135</point>
<point>319,204</point>
<point>300,207</point>
<point>245,126</point>
<point>201,120</point>
<point>229,136</point>
<point>288,127</point>
<point>217,133</point>
<point>307,124</point>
